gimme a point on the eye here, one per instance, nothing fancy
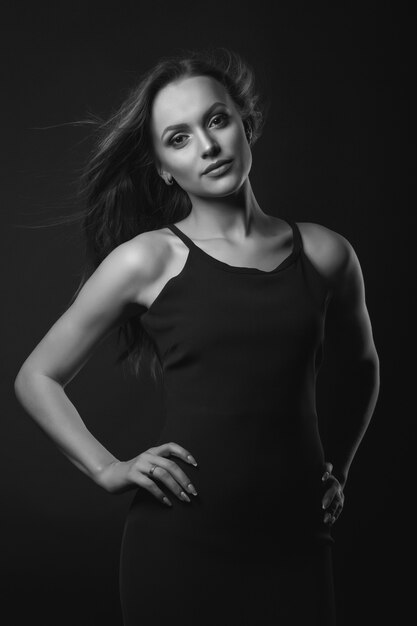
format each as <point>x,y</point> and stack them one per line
<point>173,140</point>
<point>223,119</point>
<point>221,116</point>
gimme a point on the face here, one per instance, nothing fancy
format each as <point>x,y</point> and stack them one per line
<point>194,123</point>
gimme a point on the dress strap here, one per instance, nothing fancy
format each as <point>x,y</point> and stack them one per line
<point>297,241</point>
<point>188,242</point>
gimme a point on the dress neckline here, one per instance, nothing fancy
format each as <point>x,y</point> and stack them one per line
<point>296,247</point>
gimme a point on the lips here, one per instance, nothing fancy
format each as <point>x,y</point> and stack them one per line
<point>215,165</point>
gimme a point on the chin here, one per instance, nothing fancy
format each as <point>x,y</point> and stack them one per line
<point>227,189</point>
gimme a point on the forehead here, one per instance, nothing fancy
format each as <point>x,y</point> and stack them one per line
<point>184,101</point>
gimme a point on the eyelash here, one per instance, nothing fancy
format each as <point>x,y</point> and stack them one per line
<point>171,141</point>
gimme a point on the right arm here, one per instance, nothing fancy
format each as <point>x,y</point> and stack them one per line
<point>105,300</point>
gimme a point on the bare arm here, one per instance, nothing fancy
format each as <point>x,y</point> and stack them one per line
<point>103,302</point>
<point>349,347</point>
<point>108,298</point>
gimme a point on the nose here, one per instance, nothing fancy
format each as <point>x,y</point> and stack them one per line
<point>209,145</point>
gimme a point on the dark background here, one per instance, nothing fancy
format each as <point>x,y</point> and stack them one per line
<point>334,152</point>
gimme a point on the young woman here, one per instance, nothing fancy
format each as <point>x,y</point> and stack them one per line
<point>233,306</point>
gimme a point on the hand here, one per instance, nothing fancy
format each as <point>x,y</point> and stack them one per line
<point>122,476</point>
<point>333,499</point>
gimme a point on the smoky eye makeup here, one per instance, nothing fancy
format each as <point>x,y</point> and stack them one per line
<point>223,120</point>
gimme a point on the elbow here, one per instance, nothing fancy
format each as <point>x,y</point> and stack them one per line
<point>20,381</point>
<point>370,358</point>
<point>375,363</point>
<point>369,367</point>
<point>377,371</point>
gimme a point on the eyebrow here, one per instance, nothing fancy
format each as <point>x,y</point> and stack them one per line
<point>185,126</point>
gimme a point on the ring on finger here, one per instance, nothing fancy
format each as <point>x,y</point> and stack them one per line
<point>151,471</point>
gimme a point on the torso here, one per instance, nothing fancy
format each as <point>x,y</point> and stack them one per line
<point>167,254</point>
<point>239,354</point>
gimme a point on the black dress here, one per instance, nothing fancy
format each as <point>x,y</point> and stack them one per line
<point>240,348</point>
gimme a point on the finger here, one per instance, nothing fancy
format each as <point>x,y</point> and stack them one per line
<point>328,467</point>
<point>177,473</point>
<point>337,505</point>
<point>337,513</point>
<point>329,495</point>
<point>165,476</point>
<point>147,462</point>
<point>148,484</point>
<point>333,483</point>
<point>329,519</point>
<point>334,510</point>
<point>166,449</point>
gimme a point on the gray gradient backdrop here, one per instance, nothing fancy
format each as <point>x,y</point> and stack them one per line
<point>333,152</point>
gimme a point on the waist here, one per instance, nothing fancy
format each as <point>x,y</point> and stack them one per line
<point>245,436</point>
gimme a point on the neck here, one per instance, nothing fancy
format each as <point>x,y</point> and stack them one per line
<point>233,217</point>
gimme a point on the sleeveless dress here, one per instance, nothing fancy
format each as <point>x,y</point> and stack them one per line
<point>241,348</point>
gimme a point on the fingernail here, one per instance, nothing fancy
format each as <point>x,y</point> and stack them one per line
<point>184,496</point>
<point>326,518</point>
<point>192,459</point>
<point>166,501</point>
<point>324,505</point>
<point>192,489</point>
<point>325,476</point>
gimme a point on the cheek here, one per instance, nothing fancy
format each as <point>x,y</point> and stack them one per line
<point>241,147</point>
<point>235,133</point>
<point>239,141</point>
<point>180,164</point>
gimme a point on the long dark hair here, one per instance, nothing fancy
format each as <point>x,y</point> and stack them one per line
<point>121,190</point>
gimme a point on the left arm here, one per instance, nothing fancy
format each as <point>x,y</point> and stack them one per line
<point>349,347</point>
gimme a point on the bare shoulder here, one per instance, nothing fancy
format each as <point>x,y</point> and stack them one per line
<point>146,253</point>
<point>152,258</point>
<point>331,253</point>
<point>127,270</point>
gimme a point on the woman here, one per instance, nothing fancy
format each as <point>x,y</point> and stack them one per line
<point>233,306</point>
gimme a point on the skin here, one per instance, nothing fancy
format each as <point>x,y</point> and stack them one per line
<point>229,224</point>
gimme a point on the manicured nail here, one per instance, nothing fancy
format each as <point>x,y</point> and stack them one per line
<point>184,496</point>
<point>325,476</point>
<point>192,489</point>
<point>324,505</point>
<point>192,459</point>
<point>166,501</point>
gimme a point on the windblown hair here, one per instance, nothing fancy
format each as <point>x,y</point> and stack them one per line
<point>120,188</point>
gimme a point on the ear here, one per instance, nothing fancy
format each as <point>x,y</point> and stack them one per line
<point>158,166</point>
<point>166,176</point>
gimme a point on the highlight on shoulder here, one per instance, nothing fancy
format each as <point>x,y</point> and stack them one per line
<point>329,251</point>
<point>147,250</point>
<point>145,257</point>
